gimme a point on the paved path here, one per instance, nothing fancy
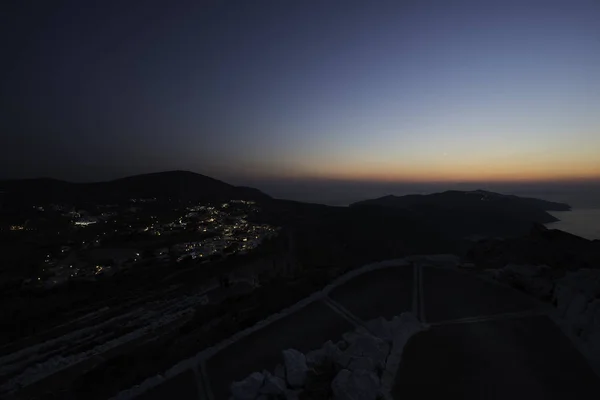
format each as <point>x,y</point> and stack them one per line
<point>485,340</point>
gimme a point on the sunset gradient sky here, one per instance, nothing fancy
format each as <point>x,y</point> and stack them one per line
<point>243,90</point>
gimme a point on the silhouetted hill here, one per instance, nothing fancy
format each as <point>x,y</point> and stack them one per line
<point>471,213</point>
<point>175,185</point>
<point>541,246</point>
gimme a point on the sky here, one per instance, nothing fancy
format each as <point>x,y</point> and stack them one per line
<point>302,91</point>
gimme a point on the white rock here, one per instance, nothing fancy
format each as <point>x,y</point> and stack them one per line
<point>364,363</point>
<point>405,321</point>
<point>576,309</point>
<point>563,295</point>
<point>591,319</point>
<point>295,367</point>
<point>272,384</point>
<point>279,371</point>
<point>381,328</point>
<point>403,327</point>
<point>371,347</point>
<point>292,394</point>
<point>328,347</point>
<point>586,281</point>
<point>247,389</point>
<point>350,337</point>
<point>525,270</point>
<point>315,357</point>
<point>342,345</point>
<point>355,385</point>
<point>528,277</point>
<point>592,331</point>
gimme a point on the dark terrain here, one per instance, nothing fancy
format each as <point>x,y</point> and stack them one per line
<point>460,214</point>
<point>316,243</point>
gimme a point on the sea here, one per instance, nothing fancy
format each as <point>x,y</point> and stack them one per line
<point>584,222</point>
<point>583,219</point>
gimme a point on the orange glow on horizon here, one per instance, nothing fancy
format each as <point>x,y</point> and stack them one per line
<point>467,172</point>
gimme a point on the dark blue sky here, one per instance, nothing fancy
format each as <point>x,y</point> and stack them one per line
<point>411,91</point>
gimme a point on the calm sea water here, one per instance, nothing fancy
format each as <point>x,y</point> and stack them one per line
<point>584,222</point>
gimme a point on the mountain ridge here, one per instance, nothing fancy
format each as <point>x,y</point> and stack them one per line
<point>471,212</point>
<point>177,184</point>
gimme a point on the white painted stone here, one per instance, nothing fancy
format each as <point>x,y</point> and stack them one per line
<point>341,359</point>
<point>350,337</point>
<point>342,345</point>
<point>563,295</point>
<point>404,321</point>
<point>371,347</point>
<point>315,357</point>
<point>592,333</point>
<point>381,328</point>
<point>528,277</point>
<point>272,384</point>
<point>576,308</point>
<point>393,360</point>
<point>292,394</point>
<point>295,367</point>
<point>525,270</point>
<point>387,380</point>
<point>403,327</point>
<point>364,363</point>
<point>355,385</point>
<point>586,281</point>
<point>279,371</point>
<point>247,389</point>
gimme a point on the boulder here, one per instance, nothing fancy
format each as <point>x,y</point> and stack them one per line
<point>563,295</point>
<point>525,270</point>
<point>329,348</point>
<point>272,384</point>
<point>342,345</point>
<point>295,367</point>
<point>576,309</point>
<point>592,331</point>
<point>533,279</point>
<point>381,328</point>
<point>318,384</point>
<point>403,327</point>
<point>586,281</point>
<point>279,371</point>
<point>350,337</point>
<point>292,394</point>
<point>355,385</point>
<point>341,359</point>
<point>247,389</point>
<point>333,354</point>
<point>405,322</point>
<point>369,346</point>
<point>316,357</point>
<point>364,363</point>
